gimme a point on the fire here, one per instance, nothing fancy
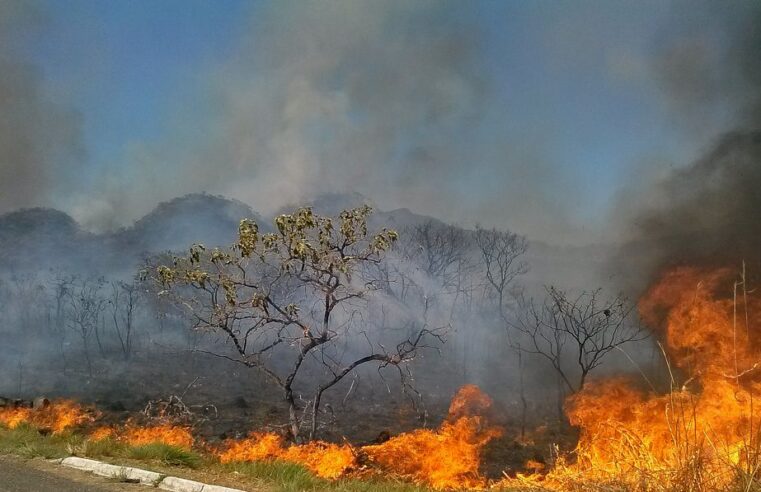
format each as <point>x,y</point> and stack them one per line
<point>172,435</point>
<point>326,460</point>
<point>448,457</point>
<point>102,433</point>
<point>134,435</point>
<point>257,447</point>
<point>445,458</point>
<point>13,417</point>
<point>57,417</point>
<point>704,433</point>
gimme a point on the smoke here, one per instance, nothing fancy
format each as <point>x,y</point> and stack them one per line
<point>40,139</point>
<point>322,97</point>
<point>707,212</point>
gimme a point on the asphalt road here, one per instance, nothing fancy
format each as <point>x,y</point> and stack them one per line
<point>19,475</point>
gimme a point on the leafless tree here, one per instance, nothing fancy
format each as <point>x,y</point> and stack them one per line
<point>291,304</point>
<point>123,303</point>
<point>61,286</point>
<point>84,305</point>
<point>440,249</point>
<point>575,334</point>
<point>502,255</point>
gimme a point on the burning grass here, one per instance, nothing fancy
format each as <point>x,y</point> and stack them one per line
<point>448,457</point>
<point>703,435</point>
<point>172,435</point>
<point>57,417</point>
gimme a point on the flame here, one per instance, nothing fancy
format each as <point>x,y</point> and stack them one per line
<point>57,417</point>
<point>173,435</point>
<point>702,434</point>
<point>13,417</point>
<point>469,401</point>
<point>101,433</point>
<point>445,458</point>
<point>326,460</point>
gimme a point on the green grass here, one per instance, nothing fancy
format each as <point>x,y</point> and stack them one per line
<point>28,442</point>
<point>164,453</point>
<point>289,477</point>
<point>284,476</point>
<point>270,476</point>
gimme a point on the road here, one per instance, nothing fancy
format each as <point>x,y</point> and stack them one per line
<point>37,475</point>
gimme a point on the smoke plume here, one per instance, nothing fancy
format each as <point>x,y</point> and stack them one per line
<point>707,212</point>
<point>39,137</point>
<point>322,97</point>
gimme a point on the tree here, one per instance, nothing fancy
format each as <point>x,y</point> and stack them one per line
<point>575,334</point>
<point>501,253</point>
<point>124,301</point>
<point>291,303</point>
<point>83,307</point>
<point>439,249</point>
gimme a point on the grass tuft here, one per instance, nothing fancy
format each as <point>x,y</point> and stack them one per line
<point>286,476</point>
<point>169,455</point>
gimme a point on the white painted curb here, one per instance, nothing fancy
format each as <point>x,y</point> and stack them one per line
<point>180,485</point>
<point>172,484</point>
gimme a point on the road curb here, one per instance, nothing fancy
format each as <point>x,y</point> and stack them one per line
<point>145,477</point>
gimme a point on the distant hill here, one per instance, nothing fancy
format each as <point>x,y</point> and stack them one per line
<point>176,224</point>
<point>43,239</point>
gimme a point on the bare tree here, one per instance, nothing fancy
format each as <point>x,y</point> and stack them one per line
<point>439,249</point>
<point>83,308</point>
<point>291,303</point>
<point>575,334</point>
<point>61,288</point>
<point>123,302</point>
<point>501,253</point>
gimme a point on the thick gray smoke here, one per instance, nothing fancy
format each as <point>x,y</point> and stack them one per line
<point>39,138</point>
<point>708,211</point>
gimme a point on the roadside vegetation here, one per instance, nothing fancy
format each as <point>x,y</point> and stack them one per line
<point>28,442</point>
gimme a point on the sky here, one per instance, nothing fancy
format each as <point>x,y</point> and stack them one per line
<point>538,116</point>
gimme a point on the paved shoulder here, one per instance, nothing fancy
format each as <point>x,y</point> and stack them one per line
<point>19,475</point>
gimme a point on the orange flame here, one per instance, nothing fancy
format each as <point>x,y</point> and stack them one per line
<point>443,458</point>
<point>704,432</point>
<point>57,417</point>
<point>172,435</point>
<point>324,459</point>
<point>102,433</point>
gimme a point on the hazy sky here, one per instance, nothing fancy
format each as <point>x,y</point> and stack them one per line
<point>540,116</point>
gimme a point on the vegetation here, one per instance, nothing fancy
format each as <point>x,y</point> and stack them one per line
<point>310,305</point>
<point>28,442</point>
<point>291,303</point>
